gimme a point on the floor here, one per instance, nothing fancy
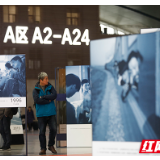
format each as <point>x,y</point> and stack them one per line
<point>34,148</point>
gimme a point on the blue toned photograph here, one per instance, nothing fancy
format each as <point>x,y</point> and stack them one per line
<point>125,94</point>
<point>78,95</point>
<point>12,76</point>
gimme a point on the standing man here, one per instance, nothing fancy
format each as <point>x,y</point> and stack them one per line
<point>73,84</point>
<point>44,95</point>
<point>5,120</point>
<point>84,110</point>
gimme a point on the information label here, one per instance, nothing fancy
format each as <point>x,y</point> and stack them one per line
<point>12,101</point>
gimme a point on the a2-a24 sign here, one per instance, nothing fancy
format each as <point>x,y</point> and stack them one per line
<point>21,38</point>
<point>150,146</point>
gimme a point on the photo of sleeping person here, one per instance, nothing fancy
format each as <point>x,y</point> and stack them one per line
<point>12,76</point>
<point>128,73</point>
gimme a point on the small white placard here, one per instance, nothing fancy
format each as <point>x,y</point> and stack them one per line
<point>12,101</point>
<point>16,129</point>
<point>79,135</point>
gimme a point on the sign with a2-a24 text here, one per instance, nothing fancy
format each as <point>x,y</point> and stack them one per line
<point>20,36</point>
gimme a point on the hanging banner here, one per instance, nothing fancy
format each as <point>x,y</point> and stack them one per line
<point>12,81</point>
<point>125,94</point>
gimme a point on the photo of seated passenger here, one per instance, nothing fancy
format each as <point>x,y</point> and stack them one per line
<point>128,73</point>
<point>12,77</point>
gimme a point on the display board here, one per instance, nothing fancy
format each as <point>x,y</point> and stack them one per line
<point>12,81</point>
<point>125,94</point>
<point>78,106</point>
<point>13,93</point>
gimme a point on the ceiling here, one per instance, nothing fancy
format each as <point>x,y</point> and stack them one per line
<point>131,18</point>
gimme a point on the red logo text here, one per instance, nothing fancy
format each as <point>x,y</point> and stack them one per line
<point>150,146</point>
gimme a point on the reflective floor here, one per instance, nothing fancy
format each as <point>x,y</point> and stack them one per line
<point>16,150</point>
<point>34,148</point>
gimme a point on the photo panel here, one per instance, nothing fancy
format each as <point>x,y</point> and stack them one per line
<point>78,95</point>
<point>12,105</point>
<point>78,106</point>
<point>125,105</point>
<point>12,81</point>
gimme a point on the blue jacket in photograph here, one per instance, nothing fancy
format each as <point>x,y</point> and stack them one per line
<point>42,100</point>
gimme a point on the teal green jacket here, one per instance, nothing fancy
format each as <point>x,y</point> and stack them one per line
<point>44,100</point>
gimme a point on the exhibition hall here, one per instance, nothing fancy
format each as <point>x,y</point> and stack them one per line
<point>79,80</point>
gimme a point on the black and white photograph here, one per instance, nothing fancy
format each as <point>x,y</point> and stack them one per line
<point>12,80</point>
<point>78,95</point>
<point>124,94</point>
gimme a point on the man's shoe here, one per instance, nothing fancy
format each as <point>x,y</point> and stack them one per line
<point>52,149</point>
<point>42,152</point>
<point>6,148</point>
<point>1,148</point>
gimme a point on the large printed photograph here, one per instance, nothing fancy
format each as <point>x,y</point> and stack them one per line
<point>12,76</point>
<point>78,95</point>
<point>125,76</point>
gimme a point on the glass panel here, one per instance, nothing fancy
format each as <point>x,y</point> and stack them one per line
<point>37,11</point>
<point>11,18</point>
<point>30,10</point>
<point>74,14</point>
<point>37,14</point>
<point>5,18</point>
<point>68,21</point>
<point>30,64</point>
<point>12,9</point>
<point>74,21</point>
<point>68,14</point>
<point>5,9</point>
<point>37,18</point>
<point>5,13</point>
